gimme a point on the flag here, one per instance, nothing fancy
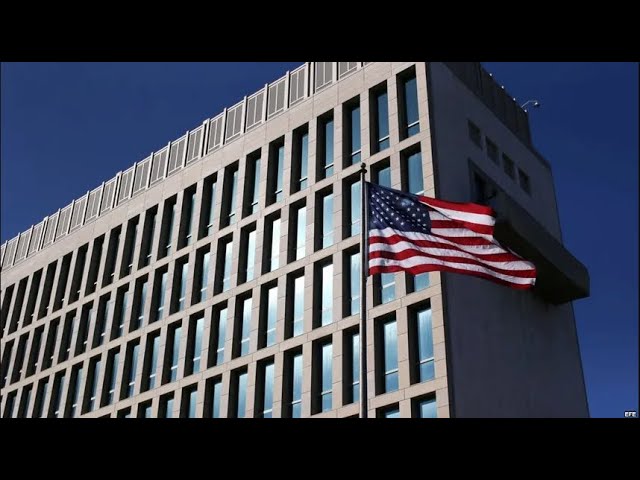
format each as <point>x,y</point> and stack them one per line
<point>418,234</point>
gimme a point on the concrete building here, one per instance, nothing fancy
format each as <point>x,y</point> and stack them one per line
<point>219,276</point>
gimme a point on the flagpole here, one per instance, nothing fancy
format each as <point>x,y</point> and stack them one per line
<point>364,264</point>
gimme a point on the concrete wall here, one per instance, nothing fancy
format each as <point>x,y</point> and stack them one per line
<point>510,354</point>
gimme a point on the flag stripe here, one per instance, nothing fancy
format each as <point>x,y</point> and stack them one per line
<point>457,237</point>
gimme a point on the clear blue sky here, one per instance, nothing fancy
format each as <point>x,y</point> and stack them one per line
<point>66,127</point>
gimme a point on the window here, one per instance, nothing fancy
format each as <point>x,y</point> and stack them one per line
<point>415,283</point>
<point>252,184</point>
<point>208,211</point>
<point>425,408</point>
<point>137,319</point>
<point>408,104</point>
<point>509,166</point>
<point>297,232</point>
<point>92,385</point>
<point>181,277</point>
<point>392,411</point>
<point>293,384</point>
<point>105,306</point>
<point>229,191</point>
<point>324,295</point>
<point>56,395</point>
<point>421,350</point>
<point>492,151</point>
<point>354,201</point>
<point>223,270</point>
<point>300,164</point>
<point>172,353</point>
<point>92,281</point>
<point>36,343</point>
<point>189,400</point>
<point>194,346</point>
<point>264,390</point>
<point>147,237</point>
<point>384,283</point>
<point>10,404</point>
<point>379,108</point>
<point>185,236</point>
<point>83,329</point>
<point>275,172</point>
<point>122,305</point>
<point>166,230</point>
<point>247,259</point>
<point>202,275</point>
<point>6,358</point>
<point>130,367</point>
<point>218,336</point>
<point>110,264</point>
<point>19,359</point>
<point>160,287</point>
<point>41,394</point>
<point>110,376</point>
<point>324,153</point>
<point>388,361</point>
<point>271,252</point>
<point>130,242</point>
<point>474,133</point>
<point>525,183</point>
<point>50,347</point>
<point>238,400</point>
<point>324,202</point>
<point>412,170</point>
<point>352,279</point>
<point>166,406</point>
<point>213,397</point>
<point>25,401</point>
<point>484,189</point>
<point>351,131</point>
<point>145,410</point>
<point>351,358</point>
<point>322,377</point>
<point>295,305</point>
<point>65,342</point>
<point>74,291</point>
<point>150,362</point>
<point>73,395</point>
<point>242,327</point>
<point>268,316</point>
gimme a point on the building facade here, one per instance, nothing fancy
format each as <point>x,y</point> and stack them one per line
<point>219,277</point>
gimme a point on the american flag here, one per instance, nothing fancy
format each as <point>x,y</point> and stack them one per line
<point>418,234</point>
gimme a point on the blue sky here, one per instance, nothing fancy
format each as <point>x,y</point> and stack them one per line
<point>66,127</point>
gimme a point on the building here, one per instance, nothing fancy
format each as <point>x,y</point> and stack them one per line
<point>219,276</point>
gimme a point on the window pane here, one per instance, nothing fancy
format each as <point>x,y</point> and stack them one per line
<point>191,208</point>
<point>411,106</point>
<point>298,306</point>
<point>355,367</point>
<point>414,173</point>
<point>354,277</point>
<point>425,345</point>
<point>390,335</point>
<point>175,353</point>
<point>246,326</point>
<point>268,390</point>
<point>192,403</point>
<point>272,315</point>
<point>327,294</point>
<point>256,187</point>
<point>197,345</point>
<point>163,291</point>
<point>304,161</point>
<point>420,282</point>
<point>204,277</point>
<point>251,254</point>
<point>155,346</point>
<point>183,286</point>
<point>384,177</point>
<point>355,134</point>
<point>222,332</point>
<point>212,209</point>
<point>226,280</point>
<point>328,148</point>
<point>217,396</point>
<point>232,198</point>
<point>301,232</point>
<point>383,121</point>
<point>275,244</point>
<point>242,395</point>
<point>355,208</point>
<point>327,220</point>
<point>296,394</point>
<point>327,382</point>
<point>427,408</point>
<point>279,173</point>
<point>392,413</point>
<point>388,283</point>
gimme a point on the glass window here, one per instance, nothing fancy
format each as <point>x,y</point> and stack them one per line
<point>354,348</point>
<point>25,401</point>
<point>388,287</point>
<point>303,160</point>
<point>298,305</point>
<point>424,343</point>
<point>41,394</point>
<point>216,395</point>
<point>153,346</point>
<point>272,316</point>
<point>301,231</point>
<point>325,127</point>
<point>92,385</point>
<point>150,224</point>
<point>113,375</point>
<point>295,377</point>
<point>279,174</point>
<point>56,396</point>
<point>131,371</point>
<point>142,300</point>
<point>197,344</point>
<point>255,187</point>
<point>221,332</point>
<point>327,220</point>
<point>327,382</point>
<point>74,391</point>
<point>275,172</point>
<point>233,189</point>
<point>227,259</point>
<point>327,294</point>
<point>525,183</point>
<point>124,305</point>
<point>204,269</point>
<point>190,208</point>
<point>409,94</point>
<point>184,274</point>
<point>353,128</point>
<point>382,120</point>
<point>354,283</point>
<point>162,294</point>
<point>390,358</point>
<point>166,406</point>
<point>509,167</point>
<point>241,392</point>
<point>354,197</point>
<point>132,232</point>
<point>144,410</point>
<point>474,134</point>
<point>417,282</point>
<point>190,396</point>
<point>413,167</point>
<point>492,151</point>
<point>211,206</point>
<point>274,261</point>
<point>245,326</point>
<point>267,390</point>
<point>170,223</point>
<point>175,353</point>
<point>427,408</point>
<point>104,312</point>
<point>251,255</point>
<point>390,412</point>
